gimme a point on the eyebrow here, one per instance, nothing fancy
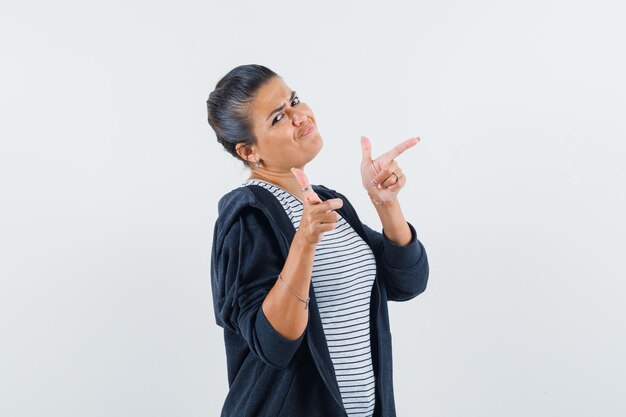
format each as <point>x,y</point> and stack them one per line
<point>282,106</point>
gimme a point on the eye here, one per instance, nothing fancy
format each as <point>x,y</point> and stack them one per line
<point>276,119</point>
<point>294,102</point>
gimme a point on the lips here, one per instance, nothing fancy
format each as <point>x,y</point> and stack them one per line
<point>305,131</point>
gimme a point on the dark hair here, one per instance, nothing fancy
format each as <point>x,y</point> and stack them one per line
<point>228,105</point>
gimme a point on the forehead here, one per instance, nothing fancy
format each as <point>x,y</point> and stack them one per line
<point>269,96</point>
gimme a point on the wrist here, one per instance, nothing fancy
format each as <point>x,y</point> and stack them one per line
<point>302,244</point>
<point>383,204</point>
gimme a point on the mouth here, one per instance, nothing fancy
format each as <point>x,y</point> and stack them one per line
<point>306,130</point>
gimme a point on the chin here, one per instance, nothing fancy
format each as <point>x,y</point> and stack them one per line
<point>312,153</point>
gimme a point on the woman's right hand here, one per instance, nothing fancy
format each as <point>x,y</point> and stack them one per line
<point>317,215</point>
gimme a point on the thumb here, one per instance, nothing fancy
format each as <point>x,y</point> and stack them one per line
<point>366,149</point>
<point>308,195</point>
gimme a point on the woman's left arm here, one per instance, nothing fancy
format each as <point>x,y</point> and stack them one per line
<point>404,257</point>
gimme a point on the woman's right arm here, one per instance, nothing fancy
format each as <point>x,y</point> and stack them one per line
<point>284,310</point>
<point>248,298</point>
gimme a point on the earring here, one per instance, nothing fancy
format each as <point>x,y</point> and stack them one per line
<point>258,164</point>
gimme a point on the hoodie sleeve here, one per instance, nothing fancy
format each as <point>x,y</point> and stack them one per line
<point>405,268</point>
<point>246,260</point>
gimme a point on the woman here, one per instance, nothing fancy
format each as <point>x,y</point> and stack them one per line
<point>300,285</point>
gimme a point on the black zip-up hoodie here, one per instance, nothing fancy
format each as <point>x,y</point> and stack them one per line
<point>269,375</point>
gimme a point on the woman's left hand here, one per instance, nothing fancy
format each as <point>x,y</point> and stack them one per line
<point>382,177</point>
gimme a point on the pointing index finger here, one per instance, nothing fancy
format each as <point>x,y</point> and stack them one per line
<point>304,183</point>
<point>398,149</point>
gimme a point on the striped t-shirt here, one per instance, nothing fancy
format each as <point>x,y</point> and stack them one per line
<point>343,273</point>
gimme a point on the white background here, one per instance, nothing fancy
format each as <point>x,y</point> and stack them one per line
<point>110,177</point>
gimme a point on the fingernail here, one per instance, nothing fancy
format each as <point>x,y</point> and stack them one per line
<point>380,186</point>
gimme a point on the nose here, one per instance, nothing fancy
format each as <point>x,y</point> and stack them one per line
<point>298,117</point>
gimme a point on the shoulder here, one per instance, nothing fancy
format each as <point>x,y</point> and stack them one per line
<point>250,206</point>
<point>236,206</point>
<point>234,199</point>
<point>242,200</point>
<point>244,221</point>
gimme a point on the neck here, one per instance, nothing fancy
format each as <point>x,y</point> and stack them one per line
<point>284,180</point>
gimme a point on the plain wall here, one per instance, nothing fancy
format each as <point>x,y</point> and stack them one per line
<point>110,177</point>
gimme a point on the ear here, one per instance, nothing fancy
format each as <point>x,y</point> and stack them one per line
<point>245,151</point>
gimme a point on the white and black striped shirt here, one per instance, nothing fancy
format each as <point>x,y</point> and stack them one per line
<point>343,273</point>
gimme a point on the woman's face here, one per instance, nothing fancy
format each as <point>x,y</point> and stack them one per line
<point>284,127</point>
